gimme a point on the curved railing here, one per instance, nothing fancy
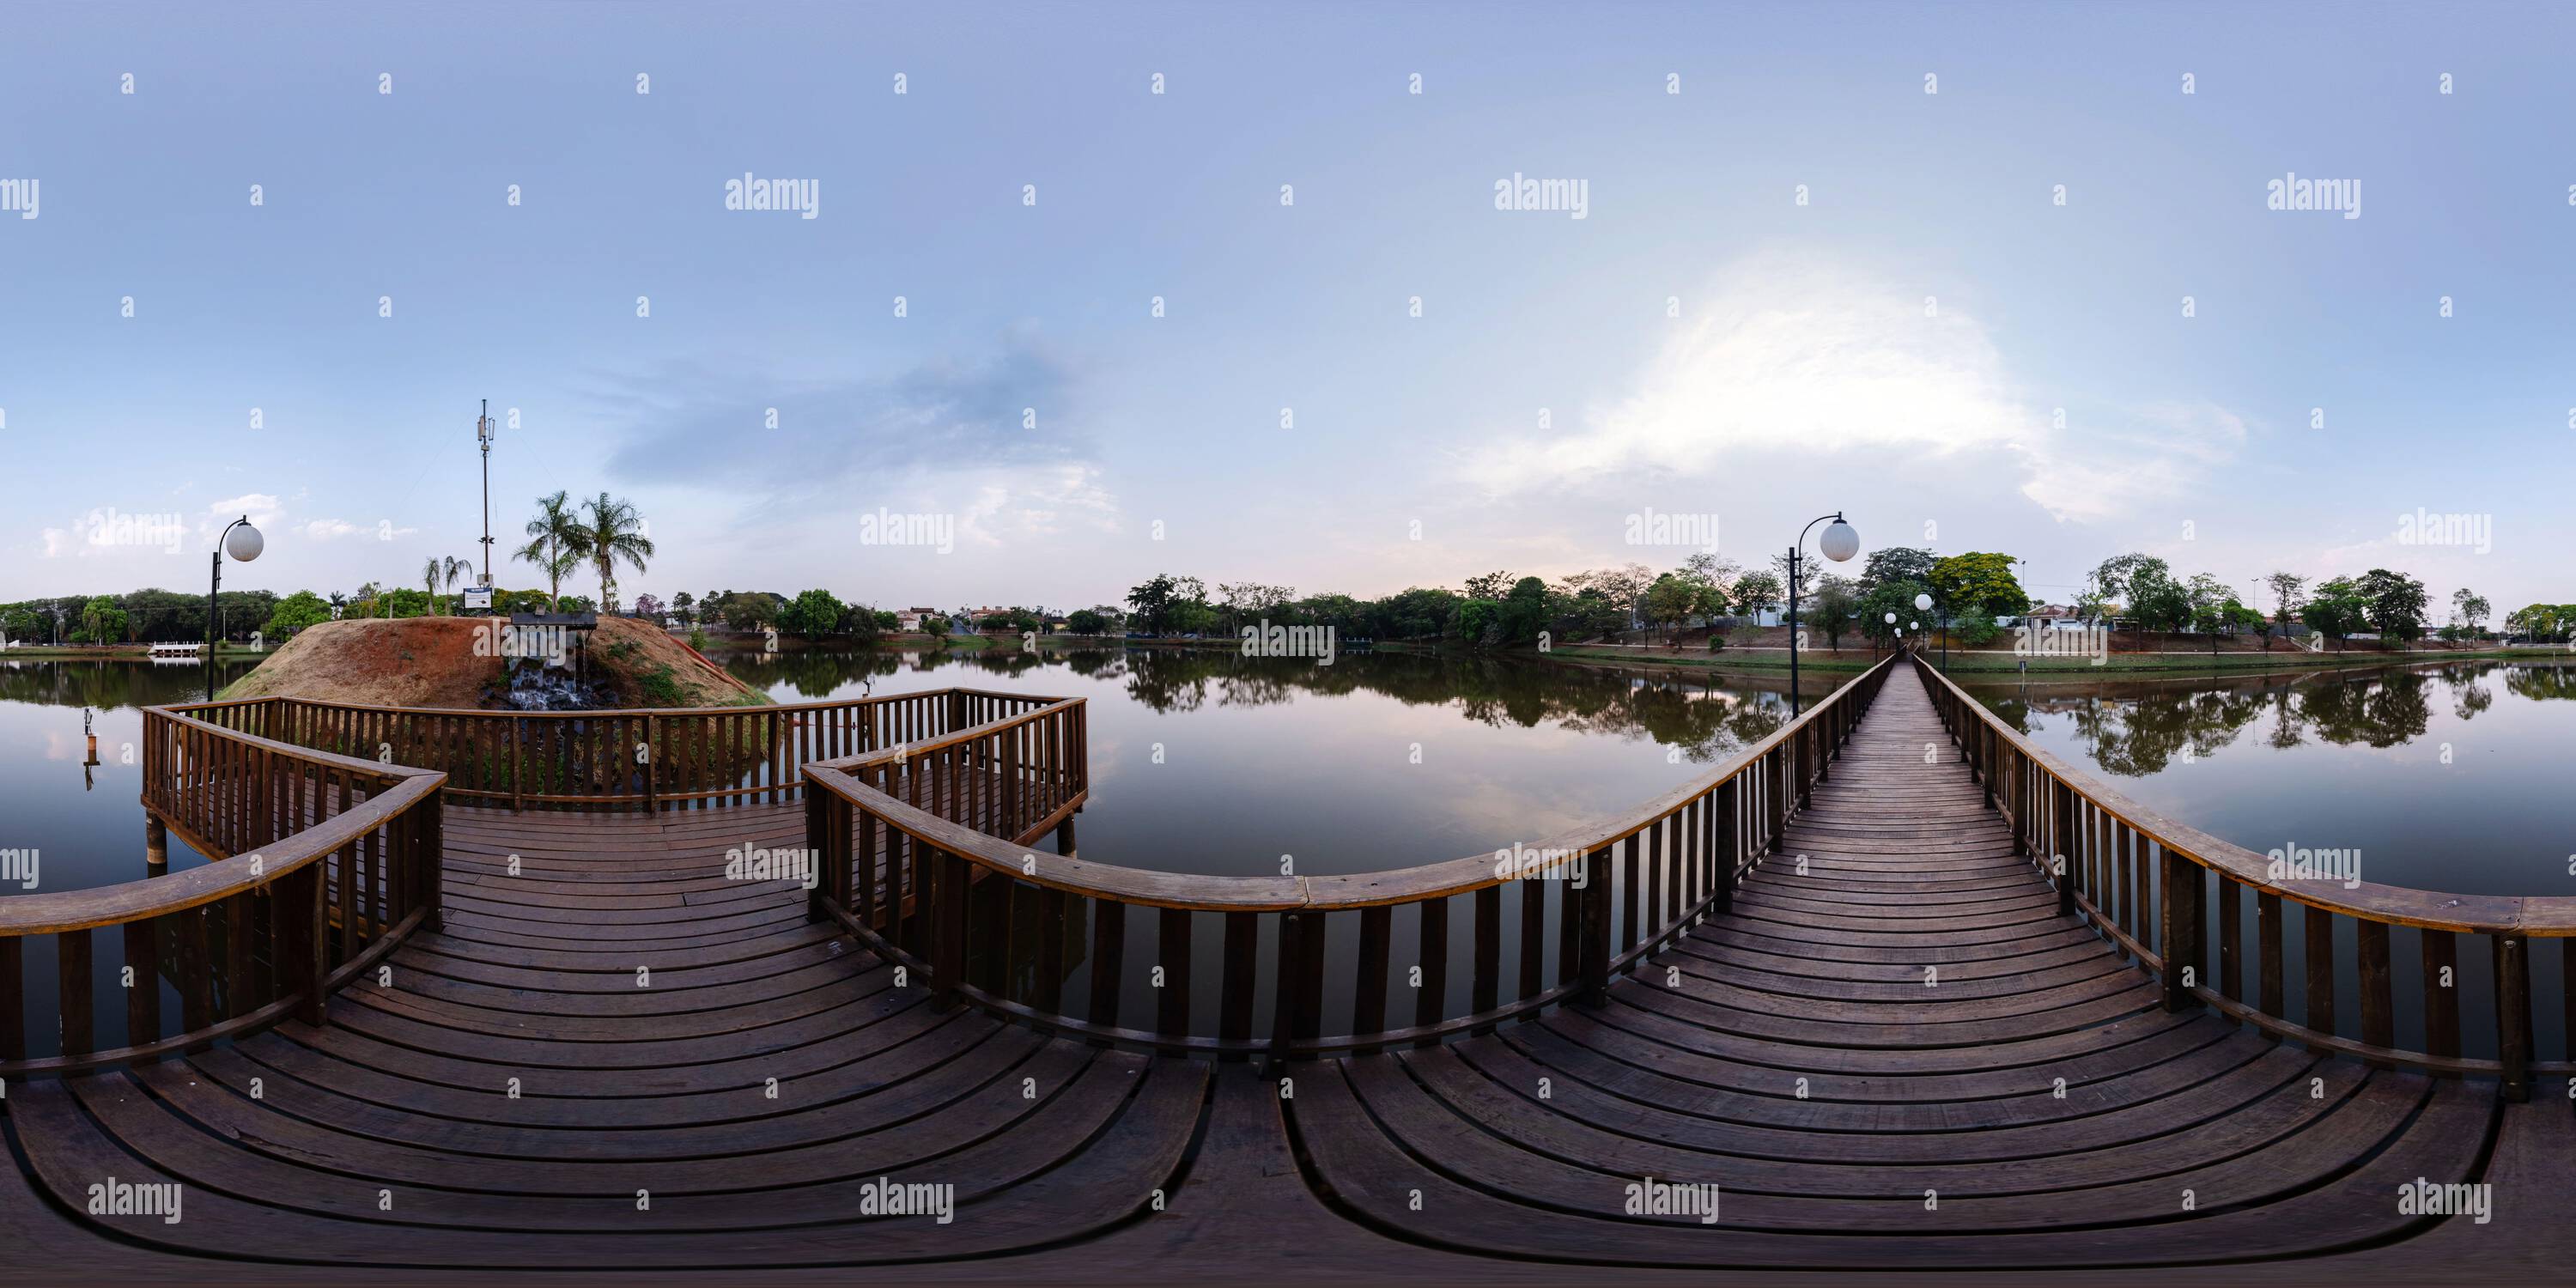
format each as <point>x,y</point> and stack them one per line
<point>321,865</point>
<point>645,759</point>
<point>2145,882</point>
<point>986,921</point>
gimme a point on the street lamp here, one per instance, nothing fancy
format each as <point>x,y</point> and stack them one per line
<point>1840,542</point>
<point>243,542</point>
<point>1923,604</point>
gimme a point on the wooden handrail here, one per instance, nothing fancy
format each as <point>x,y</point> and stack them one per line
<point>332,861</point>
<point>2145,882</point>
<point>676,757</point>
<point>2546,915</point>
<point>902,876</point>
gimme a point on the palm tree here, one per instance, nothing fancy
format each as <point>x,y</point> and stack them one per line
<point>555,545</point>
<point>429,574</point>
<point>450,569</point>
<point>338,602</point>
<point>610,531</point>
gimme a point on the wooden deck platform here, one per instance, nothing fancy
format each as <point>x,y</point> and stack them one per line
<point>1894,1053</point>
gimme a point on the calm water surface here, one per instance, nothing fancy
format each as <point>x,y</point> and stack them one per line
<point>2447,776</point>
<point>1208,762</point>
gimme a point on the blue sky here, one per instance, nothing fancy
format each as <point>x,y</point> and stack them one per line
<point>1899,347</point>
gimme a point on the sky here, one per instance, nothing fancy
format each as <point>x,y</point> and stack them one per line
<point>1979,277</point>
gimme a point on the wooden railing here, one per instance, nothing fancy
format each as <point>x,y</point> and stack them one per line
<point>644,759</point>
<point>322,864</point>
<point>2146,882</point>
<point>980,919</point>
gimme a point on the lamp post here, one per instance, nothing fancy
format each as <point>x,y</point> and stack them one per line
<point>1840,542</point>
<point>243,542</point>
<point>1923,604</point>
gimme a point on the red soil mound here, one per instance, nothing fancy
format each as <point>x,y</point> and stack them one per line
<point>451,662</point>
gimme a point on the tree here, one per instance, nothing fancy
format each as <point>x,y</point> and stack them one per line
<point>1669,600</point>
<point>1886,599</point>
<point>1895,563</point>
<point>451,570</point>
<point>1807,572</point>
<point>2156,600</point>
<point>745,610</point>
<point>1757,593</point>
<point>294,613</point>
<point>2285,595</point>
<point>1837,604</point>
<point>2471,608</point>
<point>2116,580</point>
<point>648,608</point>
<point>612,531</point>
<point>812,614</point>
<point>1153,603</point>
<point>2396,603</point>
<point>101,621</point>
<point>1086,622</point>
<point>554,546</point>
<point>1480,622</point>
<point>2336,610</point>
<point>1524,611</point>
<point>1492,585</point>
<point>1977,585</point>
<point>429,574</point>
<point>680,605</point>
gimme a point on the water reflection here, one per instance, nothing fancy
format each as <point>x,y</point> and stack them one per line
<point>2438,771</point>
<point>1672,706</point>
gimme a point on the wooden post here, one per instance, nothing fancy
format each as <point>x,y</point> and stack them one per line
<point>1064,837</point>
<point>156,844</point>
<point>2513,1015</point>
<point>1772,762</point>
<point>817,813</point>
<point>651,798</point>
<point>1595,937</point>
<point>430,843</point>
<point>295,911</point>
<point>2180,901</point>
<point>1729,795</point>
<point>517,760</point>
<point>2063,861</point>
<point>949,878</point>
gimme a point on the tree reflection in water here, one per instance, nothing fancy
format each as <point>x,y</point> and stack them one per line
<point>1703,716</point>
<point>2136,726</point>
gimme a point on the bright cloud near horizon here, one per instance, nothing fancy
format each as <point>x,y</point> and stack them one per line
<point>1268,324</point>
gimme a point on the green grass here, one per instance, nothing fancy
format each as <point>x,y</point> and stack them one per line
<point>661,687</point>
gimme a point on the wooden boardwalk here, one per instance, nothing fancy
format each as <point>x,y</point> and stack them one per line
<point>1893,1053</point>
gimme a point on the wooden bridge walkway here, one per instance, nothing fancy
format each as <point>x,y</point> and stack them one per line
<point>1894,1052</point>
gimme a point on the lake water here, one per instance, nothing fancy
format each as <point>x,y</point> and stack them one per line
<point>2447,776</point>
<point>1208,762</point>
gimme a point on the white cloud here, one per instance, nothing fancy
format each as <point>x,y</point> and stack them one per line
<point>340,529</point>
<point>1790,355</point>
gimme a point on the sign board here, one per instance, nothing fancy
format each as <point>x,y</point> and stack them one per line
<point>478,599</point>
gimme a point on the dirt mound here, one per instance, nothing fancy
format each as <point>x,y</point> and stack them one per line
<point>452,662</point>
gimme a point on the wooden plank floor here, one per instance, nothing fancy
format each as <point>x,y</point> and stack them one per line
<point>516,1100</point>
